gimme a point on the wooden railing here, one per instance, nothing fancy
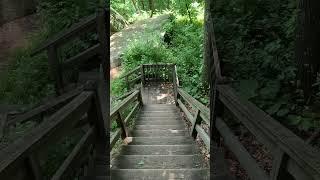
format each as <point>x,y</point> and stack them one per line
<point>24,158</point>
<point>292,157</point>
<point>123,113</point>
<point>152,73</point>
<point>41,112</point>
<point>132,77</point>
<point>95,24</point>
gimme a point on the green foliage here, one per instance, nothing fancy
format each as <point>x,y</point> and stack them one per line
<point>185,50</point>
<point>28,80</point>
<point>255,40</point>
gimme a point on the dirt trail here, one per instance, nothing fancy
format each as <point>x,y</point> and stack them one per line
<point>15,34</point>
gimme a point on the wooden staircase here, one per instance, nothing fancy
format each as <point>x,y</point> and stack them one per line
<point>161,148</point>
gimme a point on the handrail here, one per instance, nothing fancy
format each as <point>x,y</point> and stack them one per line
<point>303,160</point>
<point>202,113</point>
<point>131,72</point>
<point>118,115</point>
<point>84,24</point>
<point>96,22</point>
<point>25,152</point>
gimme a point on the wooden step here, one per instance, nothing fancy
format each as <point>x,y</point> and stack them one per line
<point>159,122</point>
<point>160,174</point>
<point>158,113</point>
<point>160,127</point>
<point>160,150</point>
<point>157,133</point>
<point>158,162</point>
<point>176,140</point>
<point>160,118</point>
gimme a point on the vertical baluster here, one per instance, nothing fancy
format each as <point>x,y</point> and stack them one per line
<point>142,74</point>
<point>279,166</point>
<point>55,68</point>
<point>33,165</point>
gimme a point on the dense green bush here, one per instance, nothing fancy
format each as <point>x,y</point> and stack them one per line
<point>255,40</point>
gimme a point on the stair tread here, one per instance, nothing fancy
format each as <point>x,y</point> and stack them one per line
<point>160,150</point>
<point>160,127</point>
<point>159,122</point>
<point>161,140</point>
<point>159,174</point>
<point>158,161</point>
<point>153,133</point>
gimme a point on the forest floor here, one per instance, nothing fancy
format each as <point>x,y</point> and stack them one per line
<point>15,34</point>
<point>137,31</point>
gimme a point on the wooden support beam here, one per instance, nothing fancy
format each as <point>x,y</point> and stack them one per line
<point>196,120</point>
<point>103,31</point>
<point>55,68</point>
<point>122,126</point>
<point>3,122</point>
<point>143,80</point>
<point>175,85</point>
<point>279,166</point>
<point>34,167</point>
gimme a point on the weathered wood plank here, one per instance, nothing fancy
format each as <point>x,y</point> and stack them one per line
<point>81,57</point>
<point>196,120</point>
<point>45,107</point>
<point>135,70</point>
<point>273,131</point>
<point>103,27</point>
<point>121,125</point>
<point>3,123</point>
<point>204,136</point>
<point>115,138</point>
<point>203,109</point>
<point>136,106</point>
<point>33,164</point>
<point>185,110</point>
<point>71,162</point>
<point>84,25</point>
<point>245,159</point>
<point>53,128</point>
<point>279,166</point>
<point>175,84</point>
<point>55,68</point>
<point>123,103</point>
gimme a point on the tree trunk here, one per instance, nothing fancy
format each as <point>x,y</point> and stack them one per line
<point>307,49</point>
<point>135,5</point>
<point>151,7</point>
<point>142,3</point>
<point>207,51</point>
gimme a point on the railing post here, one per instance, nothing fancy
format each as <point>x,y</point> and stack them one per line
<point>142,74</point>
<point>127,83</point>
<point>121,124</point>
<point>55,68</point>
<point>103,37</point>
<point>175,85</point>
<point>140,97</point>
<point>196,120</point>
<point>33,165</point>
<point>3,122</point>
<point>279,166</point>
<point>99,115</point>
